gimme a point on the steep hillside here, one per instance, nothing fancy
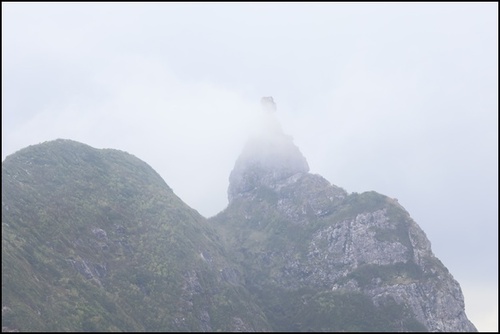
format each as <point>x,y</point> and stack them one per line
<point>96,240</point>
<point>320,259</point>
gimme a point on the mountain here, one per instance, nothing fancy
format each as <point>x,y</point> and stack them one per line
<point>95,240</point>
<point>320,259</point>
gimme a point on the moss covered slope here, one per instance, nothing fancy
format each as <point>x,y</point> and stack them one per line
<point>96,240</point>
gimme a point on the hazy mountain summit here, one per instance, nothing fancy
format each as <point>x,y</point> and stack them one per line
<point>321,259</point>
<point>268,157</point>
<point>95,240</point>
<point>268,104</point>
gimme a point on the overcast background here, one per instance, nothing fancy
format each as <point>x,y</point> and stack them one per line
<point>397,98</point>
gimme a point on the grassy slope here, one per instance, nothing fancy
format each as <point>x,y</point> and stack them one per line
<point>95,240</point>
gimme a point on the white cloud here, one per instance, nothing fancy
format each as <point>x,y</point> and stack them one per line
<point>401,99</point>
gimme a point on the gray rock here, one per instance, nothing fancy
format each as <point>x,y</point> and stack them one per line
<point>360,243</point>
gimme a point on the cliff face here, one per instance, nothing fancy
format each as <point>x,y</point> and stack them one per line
<point>95,240</point>
<point>308,242</point>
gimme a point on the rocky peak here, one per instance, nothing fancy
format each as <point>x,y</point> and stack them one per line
<point>268,158</point>
<point>311,243</point>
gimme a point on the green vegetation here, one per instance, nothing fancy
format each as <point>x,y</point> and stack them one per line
<point>95,240</point>
<point>308,310</point>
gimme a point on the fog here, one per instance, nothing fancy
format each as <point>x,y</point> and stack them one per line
<point>397,98</point>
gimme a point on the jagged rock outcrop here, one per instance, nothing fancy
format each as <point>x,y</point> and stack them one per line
<point>309,243</point>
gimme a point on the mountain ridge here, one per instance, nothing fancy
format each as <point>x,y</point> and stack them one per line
<point>96,240</point>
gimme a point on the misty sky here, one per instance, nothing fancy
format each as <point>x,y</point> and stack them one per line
<point>397,98</point>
